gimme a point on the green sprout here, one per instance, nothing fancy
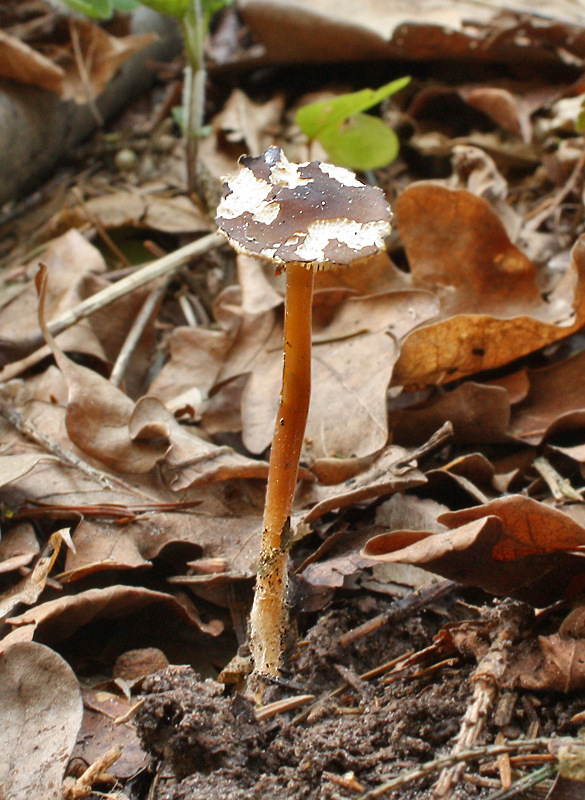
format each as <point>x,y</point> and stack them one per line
<point>351,138</point>
<point>193,17</point>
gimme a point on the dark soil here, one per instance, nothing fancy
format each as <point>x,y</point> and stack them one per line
<point>207,743</point>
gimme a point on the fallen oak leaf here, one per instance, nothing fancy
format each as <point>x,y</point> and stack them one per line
<point>491,309</point>
<point>59,619</point>
<point>513,546</point>
<point>100,419</point>
<point>30,588</point>
<point>40,715</point>
<point>392,470</point>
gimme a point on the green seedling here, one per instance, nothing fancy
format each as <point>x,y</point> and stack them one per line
<point>193,17</point>
<point>353,139</point>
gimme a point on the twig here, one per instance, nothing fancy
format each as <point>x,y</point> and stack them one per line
<point>82,787</point>
<point>101,299</point>
<point>97,224</point>
<point>136,331</point>
<point>399,610</point>
<point>527,782</point>
<point>475,754</point>
<point>538,215</point>
<point>280,706</point>
<point>560,487</point>
<point>28,429</point>
<point>485,681</point>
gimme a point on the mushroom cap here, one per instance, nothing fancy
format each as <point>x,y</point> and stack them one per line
<point>315,214</point>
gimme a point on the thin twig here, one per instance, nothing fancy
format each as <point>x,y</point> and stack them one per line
<point>101,299</point>
<point>475,754</point>
<point>538,215</point>
<point>28,429</point>
<point>97,224</point>
<point>561,488</point>
<point>136,331</point>
<point>485,681</point>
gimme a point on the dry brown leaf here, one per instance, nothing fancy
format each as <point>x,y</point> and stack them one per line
<point>479,413</point>
<point>391,471</point>
<point>30,588</point>
<point>548,410</point>
<point>466,29</point>
<point>16,466</point>
<point>40,715</point>
<point>141,210</point>
<point>99,732</point>
<point>491,308</point>
<point>101,420</point>
<point>354,349</point>
<point>19,62</point>
<point>106,546</point>
<point>59,619</point>
<point>18,547</point>
<point>341,555</point>
<point>101,57</point>
<point>553,663</point>
<point>75,268</point>
<point>512,546</point>
<point>195,359</point>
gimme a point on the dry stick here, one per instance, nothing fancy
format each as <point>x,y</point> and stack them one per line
<point>267,623</point>
<point>49,444</point>
<point>99,300</point>
<point>135,332</point>
<point>485,680</point>
<point>489,751</point>
<point>399,610</point>
<point>97,224</point>
<point>538,215</point>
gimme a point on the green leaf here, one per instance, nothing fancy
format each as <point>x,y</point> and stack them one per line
<point>315,117</point>
<point>174,8</point>
<point>125,5</point>
<point>99,9</point>
<point>363,142</point>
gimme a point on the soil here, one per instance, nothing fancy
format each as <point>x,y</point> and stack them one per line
<point>207,743</point>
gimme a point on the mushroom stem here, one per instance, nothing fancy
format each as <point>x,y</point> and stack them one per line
<point>268,616</point>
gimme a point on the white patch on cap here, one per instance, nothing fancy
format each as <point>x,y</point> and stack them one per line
<point>344,176</point>
<point>357,235</point>
<point>248,193</point>
<point>286,174</point>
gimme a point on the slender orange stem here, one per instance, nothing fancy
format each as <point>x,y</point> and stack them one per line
<point>268,618</point>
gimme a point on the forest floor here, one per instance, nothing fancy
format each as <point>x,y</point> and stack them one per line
<point>437,641</point>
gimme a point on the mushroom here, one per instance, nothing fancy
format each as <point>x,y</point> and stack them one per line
<point>301,217</point>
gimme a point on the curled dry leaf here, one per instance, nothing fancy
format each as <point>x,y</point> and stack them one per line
<point>18,547</point>
<point>19,62</point>
<point>545,411</point>
<point>514,546</point>
<point>100,419</point>
<point>491,309</point>
<point>29,589</point>
<point>59,619</point>
<point>102,56</point>
<point>142,210</point>
<point>105,546</point>
<point>40,715</point>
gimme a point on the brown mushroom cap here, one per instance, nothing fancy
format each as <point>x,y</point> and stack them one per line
<point>315,214</point>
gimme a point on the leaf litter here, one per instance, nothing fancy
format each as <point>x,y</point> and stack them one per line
<point>445,433</point>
